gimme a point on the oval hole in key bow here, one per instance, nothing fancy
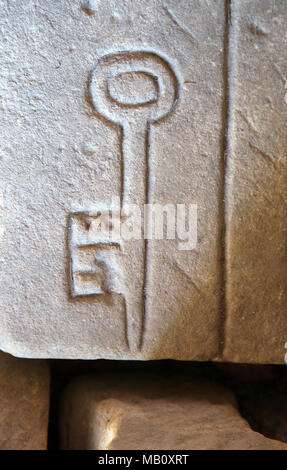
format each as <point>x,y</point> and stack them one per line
<point>136,88</point>
<point>118,106</point>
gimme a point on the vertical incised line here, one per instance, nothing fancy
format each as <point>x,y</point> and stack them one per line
<point>228,79</point>
<point>126,323</point>
<point>123,163</point>
<point>146,241</point>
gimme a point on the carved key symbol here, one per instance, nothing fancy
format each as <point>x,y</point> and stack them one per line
<point>132,113</point>
<point>135,111</point>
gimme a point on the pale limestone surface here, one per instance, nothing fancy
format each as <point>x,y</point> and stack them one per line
<point>133,99</point>
<point>119,413</point>
<point>24,403</point>
<point>67,150</point>
<point>256,191</point>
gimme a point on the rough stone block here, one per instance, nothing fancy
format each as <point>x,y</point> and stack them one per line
<point>119,412</point>
<point>101,100</point>
<point>110,104</point>
<point>24,403</point>
<point>256,231</point>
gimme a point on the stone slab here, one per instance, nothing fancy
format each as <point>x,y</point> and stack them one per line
<point>151,413</point>
<point>24,403</point>
<point>67,151</point>
<point>256,231</point>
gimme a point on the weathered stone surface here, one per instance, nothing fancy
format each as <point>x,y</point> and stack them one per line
<point>103,99</point>
<point>256,232</point>
<point>119,412</point>
<point>71,142</point>
<point>24,403</point>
